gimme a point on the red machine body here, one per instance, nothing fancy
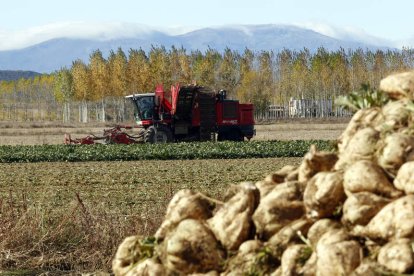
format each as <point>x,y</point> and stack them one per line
<point>194,113</point>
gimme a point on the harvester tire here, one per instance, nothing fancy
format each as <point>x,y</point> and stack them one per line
<point>159,134</point>
<point>233,135</point>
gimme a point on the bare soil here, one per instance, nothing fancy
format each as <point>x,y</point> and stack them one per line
<point>49,133</point>
<point>300,131</point>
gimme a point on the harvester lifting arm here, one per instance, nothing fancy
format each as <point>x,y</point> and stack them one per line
<point>115,135</point>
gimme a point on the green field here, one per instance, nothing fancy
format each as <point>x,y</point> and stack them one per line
<point>172,151</point>
<point>71,216</point>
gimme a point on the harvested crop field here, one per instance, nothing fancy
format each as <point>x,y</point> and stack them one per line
<point>71,216</point>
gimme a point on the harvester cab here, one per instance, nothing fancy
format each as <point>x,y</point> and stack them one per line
<point>144,105</point>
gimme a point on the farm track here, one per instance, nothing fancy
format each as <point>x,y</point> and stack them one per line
<point>26,135</point>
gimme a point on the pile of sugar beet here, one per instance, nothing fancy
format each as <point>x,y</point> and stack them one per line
<point>349,212</point>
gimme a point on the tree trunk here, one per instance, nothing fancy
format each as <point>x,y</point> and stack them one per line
<point>66,112</point>
<point>103,111</point>
<point>83,112</point>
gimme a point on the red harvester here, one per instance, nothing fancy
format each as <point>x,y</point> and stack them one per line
<point>195,113</point>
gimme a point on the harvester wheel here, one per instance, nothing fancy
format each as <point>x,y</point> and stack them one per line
<point>233,135</point>
<point>237,136</point>
<point>159,134</point>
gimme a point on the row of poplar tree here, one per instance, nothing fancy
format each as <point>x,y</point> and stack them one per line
<point>259,77</point>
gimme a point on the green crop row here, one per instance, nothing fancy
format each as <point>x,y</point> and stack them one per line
<point>173,151</point>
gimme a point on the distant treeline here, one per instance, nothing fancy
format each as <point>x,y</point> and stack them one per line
<point>259,77</point>
<point>10,75</point>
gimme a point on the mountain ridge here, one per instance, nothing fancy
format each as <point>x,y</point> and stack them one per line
<point>56,53</point>
<point>9,75</point>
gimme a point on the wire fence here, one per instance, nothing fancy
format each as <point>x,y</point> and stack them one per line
<point>121,110</point>
<point>109,110</point>
<point>303,108</point>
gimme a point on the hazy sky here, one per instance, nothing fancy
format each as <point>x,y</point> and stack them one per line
<point>24,22</point>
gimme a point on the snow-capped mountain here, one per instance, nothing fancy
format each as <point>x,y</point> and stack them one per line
<point>55,53</point>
